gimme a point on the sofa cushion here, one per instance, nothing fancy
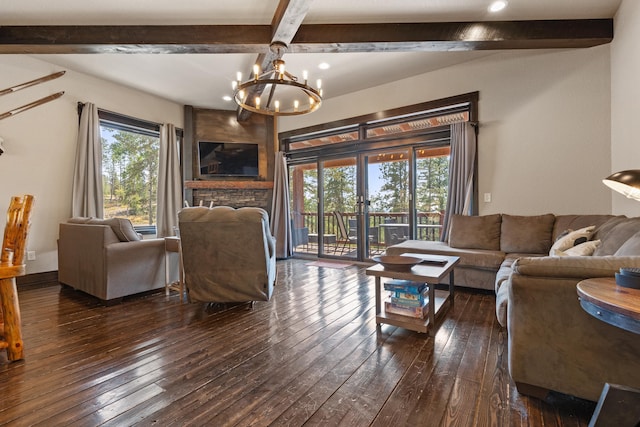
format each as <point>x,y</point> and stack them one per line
<point>614,235</point>
<point>527,234</point>
<point>576,222</point>
<point>502,300</point>
<point>475,232</point>
<point>122,227</point>
<point>505,271</point>
<point>631,247</point>
<point>502,285</point>
<point>476,258</point>
<point>571,239</point>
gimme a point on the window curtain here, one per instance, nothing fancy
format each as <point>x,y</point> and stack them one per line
<point>169,183</point>
<point>280,224</point>
<point>462,164</point>
<point>86,196</point>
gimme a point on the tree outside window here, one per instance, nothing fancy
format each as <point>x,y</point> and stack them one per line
<point>130,174</point>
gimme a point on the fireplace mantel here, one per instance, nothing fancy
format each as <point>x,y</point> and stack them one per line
<point>222,185</point>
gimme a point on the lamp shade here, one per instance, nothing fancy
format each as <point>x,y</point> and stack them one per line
<point>625,182</point>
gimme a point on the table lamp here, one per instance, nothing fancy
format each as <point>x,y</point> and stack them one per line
<point>625,182</point>
<point>628,183</point>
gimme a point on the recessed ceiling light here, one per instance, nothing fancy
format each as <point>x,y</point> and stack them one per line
<point>498,5</point>
<point>324,66</point>
<point>227,98</point>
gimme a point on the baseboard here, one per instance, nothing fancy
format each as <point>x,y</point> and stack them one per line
<point>37,280</point>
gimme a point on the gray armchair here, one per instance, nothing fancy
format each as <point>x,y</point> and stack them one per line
<point>228,254</point>
<point>108,259</point>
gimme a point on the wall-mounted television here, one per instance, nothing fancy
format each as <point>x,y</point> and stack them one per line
<point>218,159</point>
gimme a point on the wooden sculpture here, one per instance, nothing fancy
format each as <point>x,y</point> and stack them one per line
<point>11,266</point>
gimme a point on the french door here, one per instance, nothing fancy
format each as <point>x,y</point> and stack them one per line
<point>351,207</point>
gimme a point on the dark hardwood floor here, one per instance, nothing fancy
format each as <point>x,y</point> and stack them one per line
<point>310,356</point>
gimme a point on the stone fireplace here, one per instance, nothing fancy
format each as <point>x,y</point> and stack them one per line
<point>223,126</point>
<point>232,193</point>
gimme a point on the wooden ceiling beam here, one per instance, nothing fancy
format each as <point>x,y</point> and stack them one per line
<point>448,36</point>
<point>63,39</point>
<point>176,39</point>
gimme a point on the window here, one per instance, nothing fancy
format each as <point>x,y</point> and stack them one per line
<point>130,155</point>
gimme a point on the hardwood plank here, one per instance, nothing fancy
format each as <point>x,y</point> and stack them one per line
<point>461,407</point>
<point>434,403</point>
<point>310,356</point>
<point>406,397</point>
<point>306,404</point>
<point>251,364</point>
<point>357,401</point>
<point>463,404</point>
<point>478,342</point>
<point>493,401</point>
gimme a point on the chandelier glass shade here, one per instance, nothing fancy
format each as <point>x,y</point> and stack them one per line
<point>276,92</point>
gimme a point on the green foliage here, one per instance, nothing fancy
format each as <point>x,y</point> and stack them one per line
<point>130,175</point>
<point>432,184</point>
<point>393,195</point>
<point>340,189</point>
<point>310,190</point>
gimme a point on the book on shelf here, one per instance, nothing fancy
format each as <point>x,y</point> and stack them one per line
<point>402,310</point>
<point>410,299</point>
<point>406,286</point>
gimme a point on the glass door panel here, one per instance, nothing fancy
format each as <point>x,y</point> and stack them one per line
<point>432,181</point>
<point>303,199</point>
<point>365,201</point>
<point>338,208</point>
<point>387,198</point>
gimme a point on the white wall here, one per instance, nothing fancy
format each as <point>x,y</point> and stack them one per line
<point>40,143</point>
<point>625,99</point>
<point>544,142</point>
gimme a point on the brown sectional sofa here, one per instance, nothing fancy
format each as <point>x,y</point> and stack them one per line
<point>553,343</point>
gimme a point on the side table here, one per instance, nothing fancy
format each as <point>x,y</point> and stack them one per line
<point>421,273</point>
<point>620,307</point>
<point>611,303</point>
<point>172,245</point>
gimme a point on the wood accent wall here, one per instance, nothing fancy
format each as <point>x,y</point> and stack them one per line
<point>222,126</point>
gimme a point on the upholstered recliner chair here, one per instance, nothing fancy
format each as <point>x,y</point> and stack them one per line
<point>228,254</point>
<point>106,258</point>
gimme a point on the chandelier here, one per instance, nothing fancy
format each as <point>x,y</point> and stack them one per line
<point>276,92</point>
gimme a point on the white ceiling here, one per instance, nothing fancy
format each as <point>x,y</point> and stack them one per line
<point>202,79</point>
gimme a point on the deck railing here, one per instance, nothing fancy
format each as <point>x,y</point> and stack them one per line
<point>385,228</point>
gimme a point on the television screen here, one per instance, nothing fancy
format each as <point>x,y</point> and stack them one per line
<point>227,159</point>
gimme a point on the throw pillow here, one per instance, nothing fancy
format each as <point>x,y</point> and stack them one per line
<point>475,232</point>
<point>122,228</point>
<point>79,219</point>
<point>526,234</point>
<point>583,249</point>
<point>571,238</point>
